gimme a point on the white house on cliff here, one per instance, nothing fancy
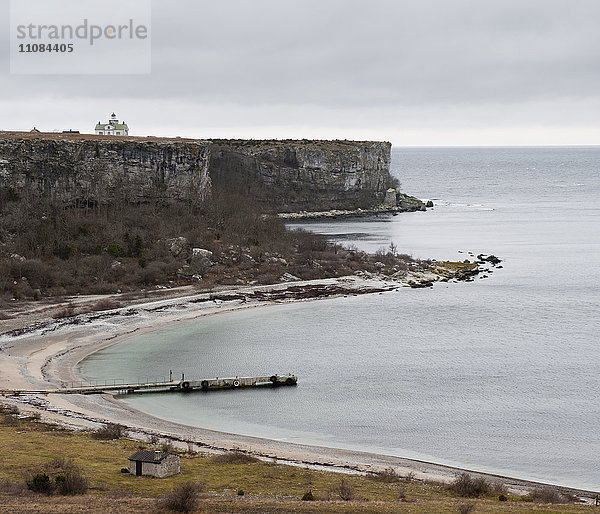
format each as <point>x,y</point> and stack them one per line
<point>112,128</point>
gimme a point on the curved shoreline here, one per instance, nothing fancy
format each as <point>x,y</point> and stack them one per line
<point>44,360</point>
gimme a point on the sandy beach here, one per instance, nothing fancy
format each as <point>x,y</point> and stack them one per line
<point>38,352</point>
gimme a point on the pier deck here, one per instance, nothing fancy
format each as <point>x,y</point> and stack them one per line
<point>207,384</point>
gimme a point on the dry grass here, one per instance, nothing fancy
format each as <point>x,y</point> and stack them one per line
<point>457,265</point>
<point>268,487</point>
<point>465,508</point>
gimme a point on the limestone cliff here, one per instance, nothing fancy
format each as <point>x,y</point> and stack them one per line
<point>304,175</point>
<point>283,176</point>
<point>88,169</point>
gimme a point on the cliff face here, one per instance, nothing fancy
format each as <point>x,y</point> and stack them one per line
<point>293,176</point>
<point>99,170</point>
<point>283,176</point>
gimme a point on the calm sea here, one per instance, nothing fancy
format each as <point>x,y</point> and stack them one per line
<point>499,375</point>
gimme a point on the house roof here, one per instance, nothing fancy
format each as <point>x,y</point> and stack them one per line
<point>149,456</point>
<point>116,126</point>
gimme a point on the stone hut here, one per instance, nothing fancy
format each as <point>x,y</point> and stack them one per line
<point>154,463</point>
<point>391,197</point>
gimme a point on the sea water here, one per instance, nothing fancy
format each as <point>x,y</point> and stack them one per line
<point>499,375</point>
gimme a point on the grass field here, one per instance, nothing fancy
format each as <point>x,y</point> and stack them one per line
<point>266,486</point>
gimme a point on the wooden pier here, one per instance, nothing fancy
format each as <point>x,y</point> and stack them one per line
<point>183,385</point>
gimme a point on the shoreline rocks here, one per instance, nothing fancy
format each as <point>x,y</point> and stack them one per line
<point>408,204</point>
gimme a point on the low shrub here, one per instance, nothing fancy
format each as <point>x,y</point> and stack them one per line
<point>71,481</point>
<point>10,420</point>
<point>58,477</point>
<point>498,488</point>
<point>34,416</point>
<point>308,497</point>
<point>183,498</point>
<point>65,312</point>
<point>344,490</point>
<point>409,477</point>
<point>387,475</point>
<point>547,494</point>
<point>104,305</point>
<point>11,487</point>
<point>40,483</point>
<point>234,457</point>
<point>7,408</point>
<point>472,487</point>
<point>167,447</point>
<point>108,432</point>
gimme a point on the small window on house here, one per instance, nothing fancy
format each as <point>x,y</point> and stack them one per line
<point>101,133</point>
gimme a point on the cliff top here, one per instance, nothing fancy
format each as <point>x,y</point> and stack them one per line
<point>89,137</point>
<point>244,142</point>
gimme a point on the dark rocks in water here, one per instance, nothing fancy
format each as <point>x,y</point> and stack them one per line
<point>429,204</point>
<point>409,203</point>
<point>420,285</point>
<point>492,259</point>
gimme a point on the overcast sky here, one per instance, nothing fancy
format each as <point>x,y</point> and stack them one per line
<point>421,72</point>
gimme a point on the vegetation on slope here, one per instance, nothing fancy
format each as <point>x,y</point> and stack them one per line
<point>48,250</point>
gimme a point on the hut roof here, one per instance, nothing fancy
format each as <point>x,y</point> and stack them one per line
<point>149,456</point>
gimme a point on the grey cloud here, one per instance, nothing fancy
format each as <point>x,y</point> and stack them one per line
<point>356,54</point>
<point>359,52</point>
<point>390,52</point>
